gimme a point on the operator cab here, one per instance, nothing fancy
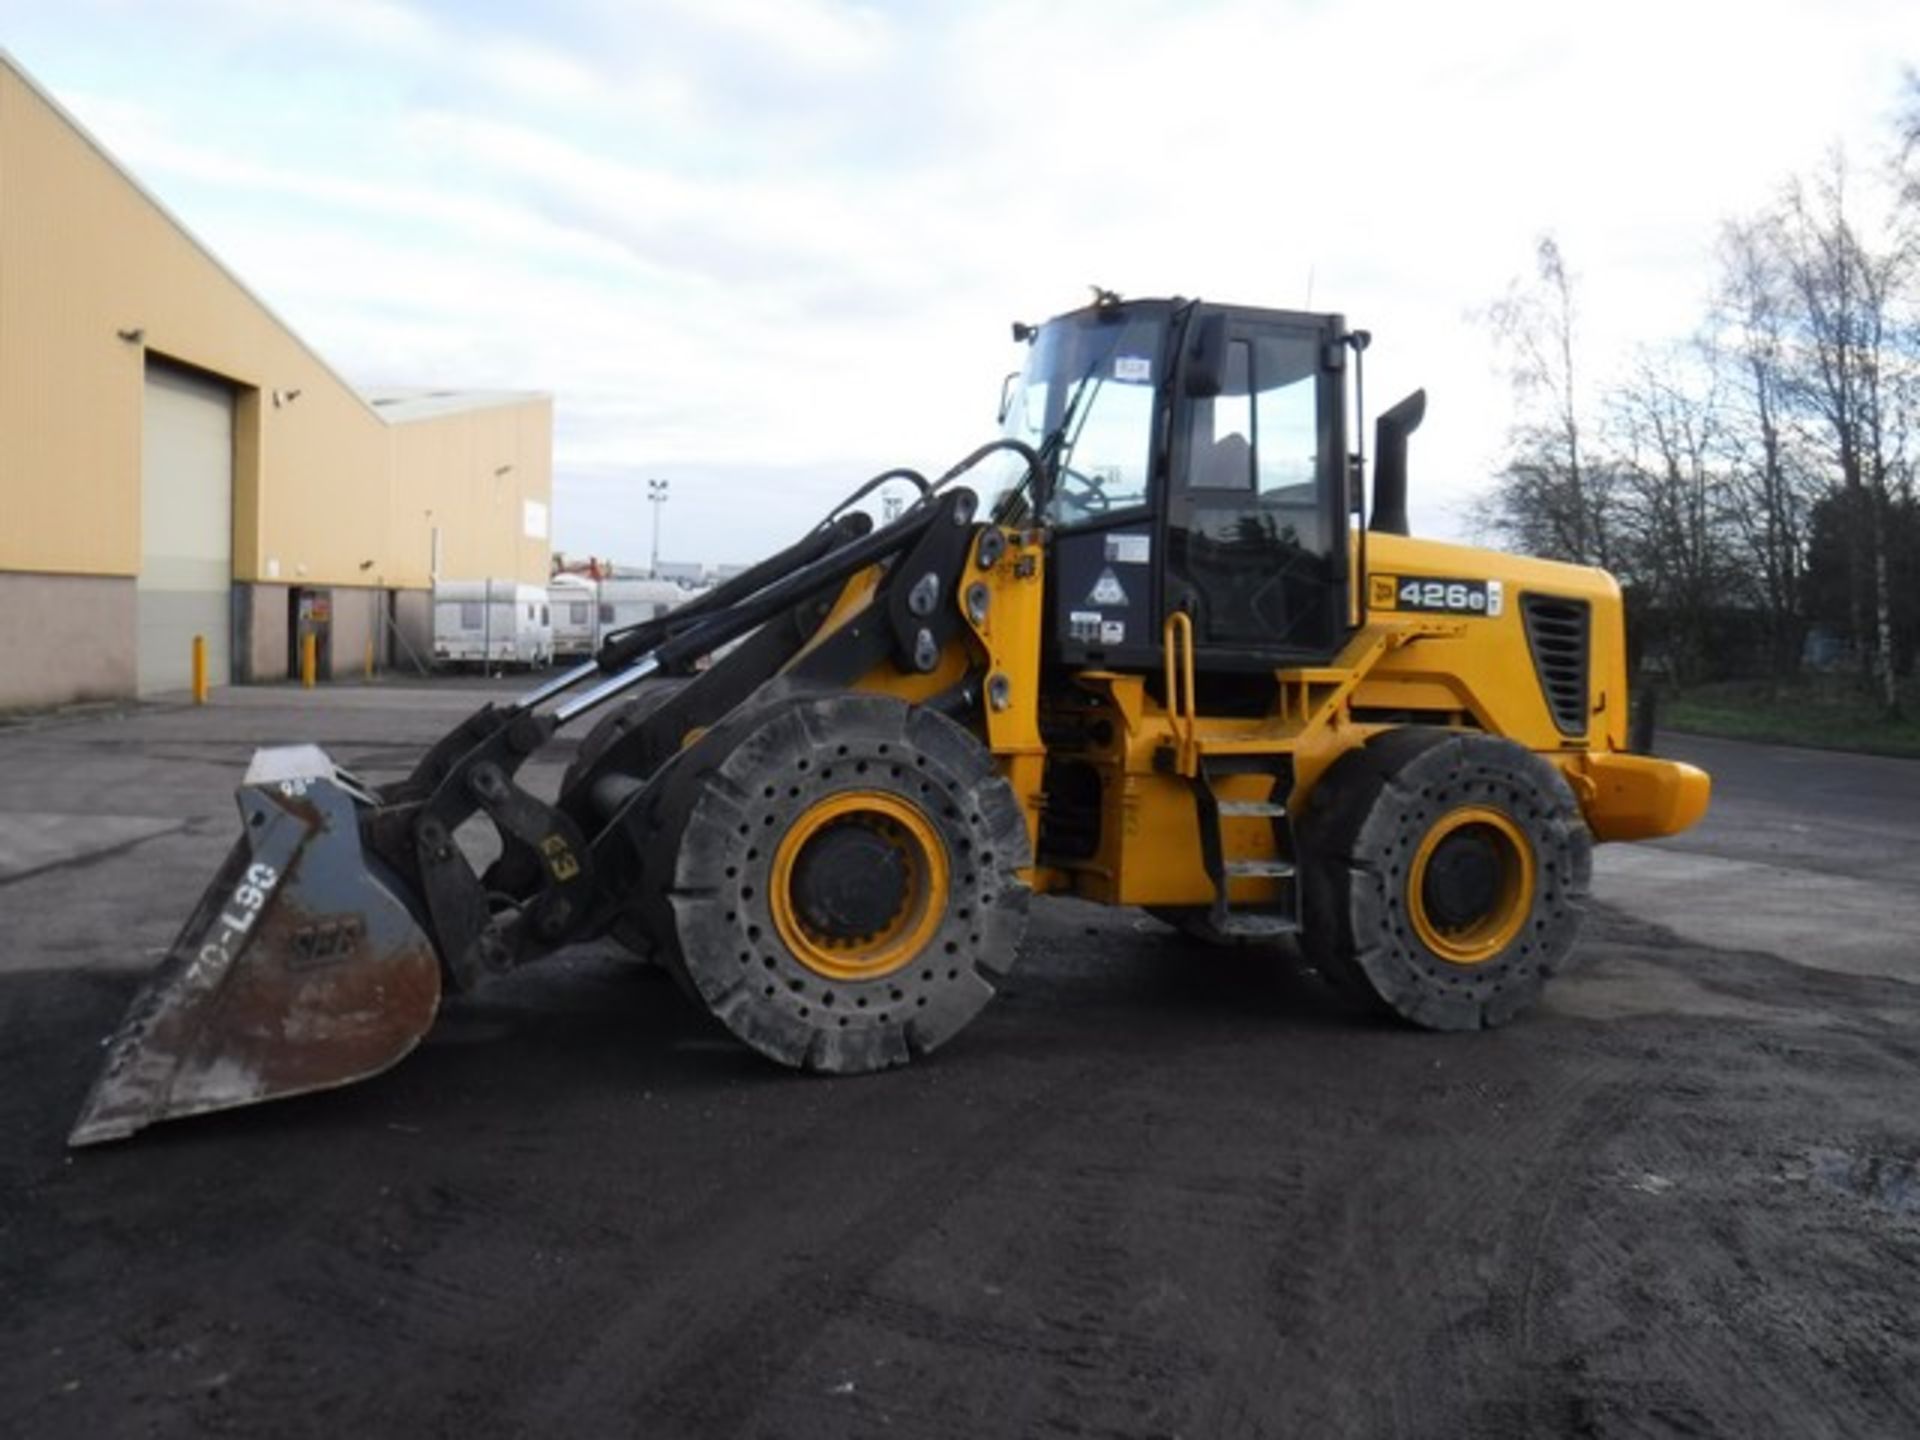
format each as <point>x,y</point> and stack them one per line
<point>1195,460</point>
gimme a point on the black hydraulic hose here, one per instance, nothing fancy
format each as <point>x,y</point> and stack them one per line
<point>1019,447</point>
<point>912,477</point>
<point>635,640</point>
<point>830,569</point>
<point>621,648</point>
<point>686,633</point>
<point>1003,509</point>
<point>717,629</point>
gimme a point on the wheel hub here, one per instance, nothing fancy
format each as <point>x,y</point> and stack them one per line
<point>849,881</point>
<point>860,883</point>
<point>1463,879</point>
<point>1470,888</point>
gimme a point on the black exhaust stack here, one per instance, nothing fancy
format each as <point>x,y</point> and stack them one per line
<point>1390,434</point>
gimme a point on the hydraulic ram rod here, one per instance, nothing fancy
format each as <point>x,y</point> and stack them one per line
<point>717,629</point>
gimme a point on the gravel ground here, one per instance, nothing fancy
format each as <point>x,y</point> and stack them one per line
<point>1154,1191</point>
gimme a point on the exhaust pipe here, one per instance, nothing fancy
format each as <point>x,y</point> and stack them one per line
<point>1390,434</point>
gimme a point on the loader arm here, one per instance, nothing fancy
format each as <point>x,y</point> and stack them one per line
<point>344,911</point>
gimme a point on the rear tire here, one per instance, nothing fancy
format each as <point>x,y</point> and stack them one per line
<point>843,883</point>
<point>1446,876</point>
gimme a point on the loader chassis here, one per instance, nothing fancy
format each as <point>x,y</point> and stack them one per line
<point>1167,668</point>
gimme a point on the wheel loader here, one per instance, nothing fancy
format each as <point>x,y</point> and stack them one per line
<point>1152,652</point>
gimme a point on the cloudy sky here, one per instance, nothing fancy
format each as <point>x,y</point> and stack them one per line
<point>763,248</point>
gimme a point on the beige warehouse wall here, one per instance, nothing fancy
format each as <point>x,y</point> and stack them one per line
<point>65,638</point>
<point>476,463</point>
<point>325,489</point>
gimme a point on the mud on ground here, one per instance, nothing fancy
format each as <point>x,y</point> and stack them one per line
<point>1154,1191</point>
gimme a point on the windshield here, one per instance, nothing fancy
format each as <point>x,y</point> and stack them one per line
<point>1088,388</point>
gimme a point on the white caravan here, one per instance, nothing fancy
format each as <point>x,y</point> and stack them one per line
<point>629,602</point>
<point>575,601</point>
<point>491,623</point>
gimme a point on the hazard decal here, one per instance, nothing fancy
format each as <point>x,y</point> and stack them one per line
<point>1107,590</point>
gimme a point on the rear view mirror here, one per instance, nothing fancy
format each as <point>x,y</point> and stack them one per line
<point>1006,396</point>
<point>1207,358</point>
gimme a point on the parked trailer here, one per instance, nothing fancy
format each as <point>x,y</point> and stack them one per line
<point>491,623</point>
<point>633,602</point>
<point>575,604</point>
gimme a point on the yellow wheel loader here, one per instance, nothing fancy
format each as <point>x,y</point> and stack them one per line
<point>1163,663</point>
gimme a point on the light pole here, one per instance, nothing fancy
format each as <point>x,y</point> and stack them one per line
<point>656,497</point>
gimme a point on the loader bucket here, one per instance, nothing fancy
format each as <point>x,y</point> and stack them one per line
<point>300,969</point>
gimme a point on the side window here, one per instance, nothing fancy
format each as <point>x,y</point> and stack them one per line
<point>1252,535</point>
<point>1223,428</point>
<point>470,615</point>
<point>1286,422</point>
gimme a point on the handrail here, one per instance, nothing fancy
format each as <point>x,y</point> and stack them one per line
<point>1177,637</point>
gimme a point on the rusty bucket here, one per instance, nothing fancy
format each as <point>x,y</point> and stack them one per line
<point>300,969</point>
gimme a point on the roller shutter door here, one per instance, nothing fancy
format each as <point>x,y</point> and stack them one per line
<point>186,528</point>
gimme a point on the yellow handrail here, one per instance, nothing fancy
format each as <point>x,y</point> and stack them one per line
<point>1177,636</point>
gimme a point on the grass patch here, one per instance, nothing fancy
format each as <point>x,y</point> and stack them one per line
<point>1825,713</point>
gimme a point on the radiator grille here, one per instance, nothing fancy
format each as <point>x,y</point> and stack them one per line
<point>1557,635</point>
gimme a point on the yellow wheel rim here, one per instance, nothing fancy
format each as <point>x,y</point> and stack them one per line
<point>1475,939</point>
<point>910,836</point>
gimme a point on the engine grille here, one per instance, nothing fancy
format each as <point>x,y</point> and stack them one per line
<point>1557,635</point>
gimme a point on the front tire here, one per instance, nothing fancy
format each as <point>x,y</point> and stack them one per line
<point>1446,876</point>
<point>844,885</point>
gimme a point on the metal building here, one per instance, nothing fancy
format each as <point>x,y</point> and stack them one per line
<point>174,461</point>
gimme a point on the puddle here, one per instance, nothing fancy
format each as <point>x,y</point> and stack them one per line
<point>1893,1184</point>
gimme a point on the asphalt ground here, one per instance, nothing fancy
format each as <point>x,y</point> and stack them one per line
<point>1155,1190</point>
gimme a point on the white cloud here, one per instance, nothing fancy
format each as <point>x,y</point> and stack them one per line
<point>781,239</point>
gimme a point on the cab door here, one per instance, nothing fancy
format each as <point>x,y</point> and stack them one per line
<point>1256,514</point>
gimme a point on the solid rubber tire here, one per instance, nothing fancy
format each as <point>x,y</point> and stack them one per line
<point>725,805</point>
<point>1363,823</point>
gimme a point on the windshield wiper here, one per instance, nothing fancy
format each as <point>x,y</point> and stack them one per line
<point>1049,449</point>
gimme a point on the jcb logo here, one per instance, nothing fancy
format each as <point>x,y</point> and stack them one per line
<point>326,943</point>
<point>560,860</point>
<point>1381,592</point>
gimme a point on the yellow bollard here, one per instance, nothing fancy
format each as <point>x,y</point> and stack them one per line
<point>369,657</point>
<point>199,669</point>
<point>309,659</point>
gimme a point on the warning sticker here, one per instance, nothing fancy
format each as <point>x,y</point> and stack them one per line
<point>1129,549</point>
<point>1107,590</point>
<point>1132,367</point>
<point>1083,624</point>
<point>1113,632</point>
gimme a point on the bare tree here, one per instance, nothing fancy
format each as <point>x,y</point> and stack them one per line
<point>1670,508</point>
<point>1769,490</point>
<point>1549,498</point>
<point>1842,293</point>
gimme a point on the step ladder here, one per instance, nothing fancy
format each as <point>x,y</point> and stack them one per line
<point>1268,921</point>
<point>1202,759</point>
